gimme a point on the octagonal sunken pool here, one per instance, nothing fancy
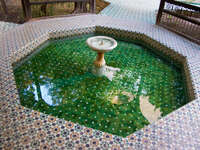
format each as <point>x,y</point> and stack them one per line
<point>56,79</point>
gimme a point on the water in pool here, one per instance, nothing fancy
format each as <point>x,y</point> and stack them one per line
<point>57,80</point>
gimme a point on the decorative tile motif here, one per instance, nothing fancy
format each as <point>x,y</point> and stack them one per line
<point>26,129</point>
<point>5,26</point>
<point>71,33</point>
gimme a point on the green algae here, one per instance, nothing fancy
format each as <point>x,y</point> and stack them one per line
<point>58,81</point>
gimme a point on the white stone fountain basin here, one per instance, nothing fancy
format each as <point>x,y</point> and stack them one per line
<point>101,44</point>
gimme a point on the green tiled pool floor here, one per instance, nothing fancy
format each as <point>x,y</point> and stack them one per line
<point>57,81</point>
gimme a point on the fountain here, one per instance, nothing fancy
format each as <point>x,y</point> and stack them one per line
<point>101,45</point>
<point>56,81</point>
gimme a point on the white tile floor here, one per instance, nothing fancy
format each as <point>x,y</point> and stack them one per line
<point>139,10</point>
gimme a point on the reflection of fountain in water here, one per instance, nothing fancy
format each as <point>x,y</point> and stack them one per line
<point>106,71</point>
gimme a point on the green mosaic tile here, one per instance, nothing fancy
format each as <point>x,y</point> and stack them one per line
<point>57,80</point>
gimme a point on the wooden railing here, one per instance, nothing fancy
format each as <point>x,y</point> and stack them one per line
<point>3,5</point>
<point>181,18</point>
<point>80,6</point>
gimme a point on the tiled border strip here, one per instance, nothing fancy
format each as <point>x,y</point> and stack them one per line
<point>71,33</point>
<point>29,48</point>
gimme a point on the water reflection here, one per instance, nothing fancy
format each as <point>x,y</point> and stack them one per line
<point>44,92</point>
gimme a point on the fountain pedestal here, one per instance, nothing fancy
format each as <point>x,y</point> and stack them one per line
<point>102,44</point>
<point>100,61</point>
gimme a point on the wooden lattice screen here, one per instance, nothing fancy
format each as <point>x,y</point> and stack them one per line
<point>181,18</point>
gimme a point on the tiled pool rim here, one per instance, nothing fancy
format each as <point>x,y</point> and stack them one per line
<point>115,33</point>
<point>12,51</point>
